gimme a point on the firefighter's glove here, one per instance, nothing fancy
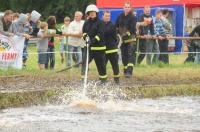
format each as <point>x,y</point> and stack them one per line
<point>92,41</point>
<point>84,36</point>
<point>125,35</point>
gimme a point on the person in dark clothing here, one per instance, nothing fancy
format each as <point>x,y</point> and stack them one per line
<point>192,46</point>
<point>163,44</point>
<point>143,31</point>
<point>28,30</point>
<point>94,28</point>
<point>126,27</point>
<point>111,45</point>
<point>51,21</point>
<point>191,56</point>
<point>35,22</point>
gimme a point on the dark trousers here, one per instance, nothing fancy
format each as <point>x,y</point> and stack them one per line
<point>25,51</point>
<point>99,58</point>
<point>50,57</point>
<point>113,58</point>
<point>163,46</point>
<point>82,50</point>
<point>142,49</point>
<point>128,56</point>
<point>191,56</point>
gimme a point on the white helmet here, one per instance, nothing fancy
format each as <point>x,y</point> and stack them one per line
<point>91,8</point>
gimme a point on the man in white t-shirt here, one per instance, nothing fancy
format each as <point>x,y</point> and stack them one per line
<point>75,42</point>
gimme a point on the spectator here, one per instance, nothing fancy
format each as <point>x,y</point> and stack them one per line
<point>28,30</point>
<point>143,30</point>
<point>75,43</point>
<point>35,22</point>
<point>193,46</point>
<point>64,39</point>
<point>51,21</point>
<point>18,26</point>
<point>134,12</point>
<point>191,56</point>
<point>163,44</point>
<point>42,45</point>
<point>6,24</point>
<point>15,16</point>
<point>152,45</point>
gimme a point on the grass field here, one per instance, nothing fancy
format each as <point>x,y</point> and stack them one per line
<point>176,63</point>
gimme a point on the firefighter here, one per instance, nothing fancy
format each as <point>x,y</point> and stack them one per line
<point>94,28</point>
<point>111,45</point>
<point>126,26</point>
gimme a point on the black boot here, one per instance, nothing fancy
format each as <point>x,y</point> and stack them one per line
<point>103,81</point>
<point>129,72</point>
<point>116,79</point>
<point>125,71</point>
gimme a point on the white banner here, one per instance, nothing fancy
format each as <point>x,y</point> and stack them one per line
<point>11,50</point>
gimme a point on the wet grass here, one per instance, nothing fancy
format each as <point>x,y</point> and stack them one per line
<point>26,99</point>
<point>161,91</point>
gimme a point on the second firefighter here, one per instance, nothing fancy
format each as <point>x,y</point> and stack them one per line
<point>111,45</point>
<point>126,26</point>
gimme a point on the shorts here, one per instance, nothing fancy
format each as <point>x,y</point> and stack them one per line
<point>42,57</point>
<point>62,48</point>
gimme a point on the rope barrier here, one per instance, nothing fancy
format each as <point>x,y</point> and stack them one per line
<point>119,52</point>
<point>140,37</point>
<point>51,52</point>
<point>58,35</point>
<point>177,38</point>
<point>166,52</point>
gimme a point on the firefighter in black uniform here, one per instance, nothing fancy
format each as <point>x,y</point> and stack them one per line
<point>94,28</point>
<point>126,26</point>
<point>111,45</point>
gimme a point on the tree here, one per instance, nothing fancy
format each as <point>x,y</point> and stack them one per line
<point>59,8</point>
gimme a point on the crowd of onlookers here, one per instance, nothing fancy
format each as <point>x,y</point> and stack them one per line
<point>28,25</point>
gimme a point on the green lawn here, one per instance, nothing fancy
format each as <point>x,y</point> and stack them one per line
<point>176,62</point>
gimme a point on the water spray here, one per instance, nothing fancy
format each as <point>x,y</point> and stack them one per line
<point>85,101</point>
<point>87,39</point>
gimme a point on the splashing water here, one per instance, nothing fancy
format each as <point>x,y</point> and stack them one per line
<point>86,71</point>
<point>161,114</point>
<point>83,100</point>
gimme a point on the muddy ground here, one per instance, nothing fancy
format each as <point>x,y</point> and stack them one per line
<point>37,82</point>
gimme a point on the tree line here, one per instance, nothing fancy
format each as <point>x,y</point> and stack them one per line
<point>58,8</point>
